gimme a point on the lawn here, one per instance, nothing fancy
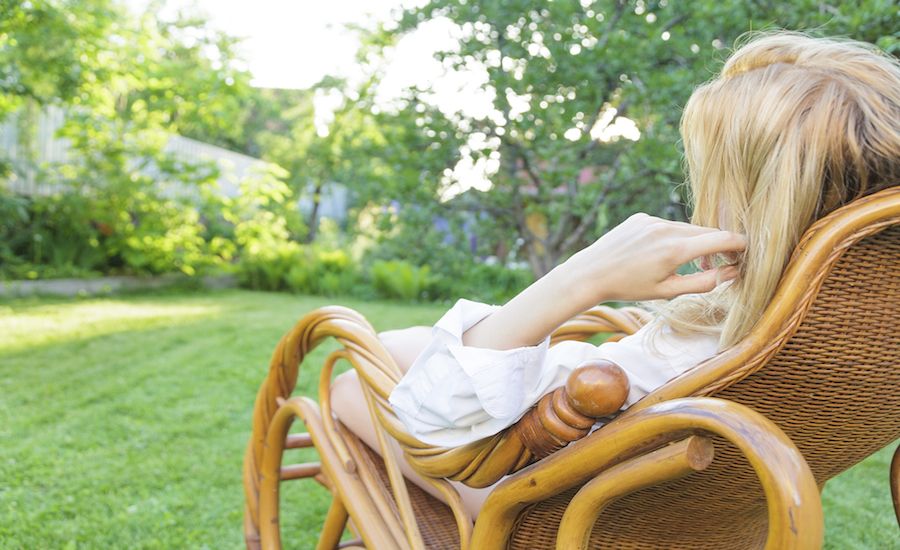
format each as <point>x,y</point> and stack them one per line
<point>123,423</point>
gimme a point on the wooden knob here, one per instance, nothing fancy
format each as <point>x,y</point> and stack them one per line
<point>597,388</point>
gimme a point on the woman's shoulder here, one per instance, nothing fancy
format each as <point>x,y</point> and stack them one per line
<point>657,345</point>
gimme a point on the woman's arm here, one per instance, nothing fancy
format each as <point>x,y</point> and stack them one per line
<point>636,260</point>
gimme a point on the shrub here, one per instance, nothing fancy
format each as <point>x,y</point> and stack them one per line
<point>161,236</point>
<point>325,272</point>
<point>400,279</point>
<point>49,236</point>
<point>266,267</point>
<point>491,283</point>
<point>299,268</point>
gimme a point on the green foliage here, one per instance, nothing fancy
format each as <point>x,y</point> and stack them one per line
<point>48,236</point>
<point>145,199</point>
<point>73,234</point>
<point>267,268</point>
<point>13,216</point>
<point>451,250</point>
<point>400,280</point>
<point>126,206</point>
<point>159,236</point>
<point>60,233</point>
<point>491,283</point>
<point>263,214</point>
<point>363,146</point>
<point>196,84</point>
<point>324,272</point>
<point>127,84</point>
<point>555,71</point>
<point>266,229</point>
<point>49,50</point>
<point>293,267</point>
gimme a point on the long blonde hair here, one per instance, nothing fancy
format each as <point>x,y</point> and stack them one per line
<point>792,128</point>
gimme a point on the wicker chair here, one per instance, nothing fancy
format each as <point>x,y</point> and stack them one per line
<point>811,391</point>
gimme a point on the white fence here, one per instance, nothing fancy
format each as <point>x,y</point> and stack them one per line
<point>37,146</point>
<point>29,147</point>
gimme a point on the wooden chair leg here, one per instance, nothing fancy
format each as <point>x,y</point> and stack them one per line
<point>895,483</point>
<point>356,499</point>
<point>335,522</point>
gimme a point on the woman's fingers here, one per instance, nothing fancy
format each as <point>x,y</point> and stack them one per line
<point>689,228</point>
<point>646,252</point>
<point>698,283</point>
<point>673,228</point>
<point>716,242</point>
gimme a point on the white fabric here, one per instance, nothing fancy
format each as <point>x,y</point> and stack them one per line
<point>454,394</point>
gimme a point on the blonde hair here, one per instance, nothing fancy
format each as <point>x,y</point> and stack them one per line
<point>792,128</point>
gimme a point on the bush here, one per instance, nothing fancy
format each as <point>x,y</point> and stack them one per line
<point>49,237</point>
<point>266,268</point>
<point>325,272</point>
<point>299,268</point>
<point>161,236</point>
<point>491,283</point>
<point>447,245</point>
<point>399,279</point>
<point>74,234</point>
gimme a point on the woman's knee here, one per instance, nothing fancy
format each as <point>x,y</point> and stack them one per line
<point>405,344</point>
<point>345,386</point>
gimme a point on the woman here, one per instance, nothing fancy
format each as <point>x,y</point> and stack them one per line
<point>791,129</point>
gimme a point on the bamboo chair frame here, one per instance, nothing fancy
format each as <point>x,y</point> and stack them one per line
<point>665,436</point>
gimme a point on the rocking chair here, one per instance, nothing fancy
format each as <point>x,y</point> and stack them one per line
<point>732,454</point>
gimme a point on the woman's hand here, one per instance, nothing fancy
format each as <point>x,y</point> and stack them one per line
<point>637,260</point>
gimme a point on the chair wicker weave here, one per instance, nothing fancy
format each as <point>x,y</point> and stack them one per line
<point>811,391</point>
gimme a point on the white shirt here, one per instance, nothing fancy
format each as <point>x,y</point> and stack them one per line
<point>455,394</point>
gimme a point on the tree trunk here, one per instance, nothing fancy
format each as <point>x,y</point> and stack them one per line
<point>542,261</point>
<point>312,222</point>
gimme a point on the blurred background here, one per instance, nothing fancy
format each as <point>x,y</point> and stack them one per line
<point>391,156</point>
<point>416,150</point>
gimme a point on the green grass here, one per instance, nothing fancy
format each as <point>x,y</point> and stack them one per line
<point>123,423</point>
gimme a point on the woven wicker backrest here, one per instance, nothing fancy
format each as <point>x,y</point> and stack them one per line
<point>833,388</point>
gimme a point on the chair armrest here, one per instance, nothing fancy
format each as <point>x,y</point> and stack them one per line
<point>595,389</point>
<point>794,505</point>
<point>619,322</point>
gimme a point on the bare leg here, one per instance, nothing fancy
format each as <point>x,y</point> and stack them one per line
<point>405,344</point>
<point>348,403</point>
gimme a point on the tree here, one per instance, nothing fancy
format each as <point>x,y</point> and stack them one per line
<point>35,66</point>
<point>562,73</point>
<point>190,75</point>
<point>378,152</point>
<point>126,83</point>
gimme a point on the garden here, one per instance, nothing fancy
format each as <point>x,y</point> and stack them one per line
<point>139,142</point>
